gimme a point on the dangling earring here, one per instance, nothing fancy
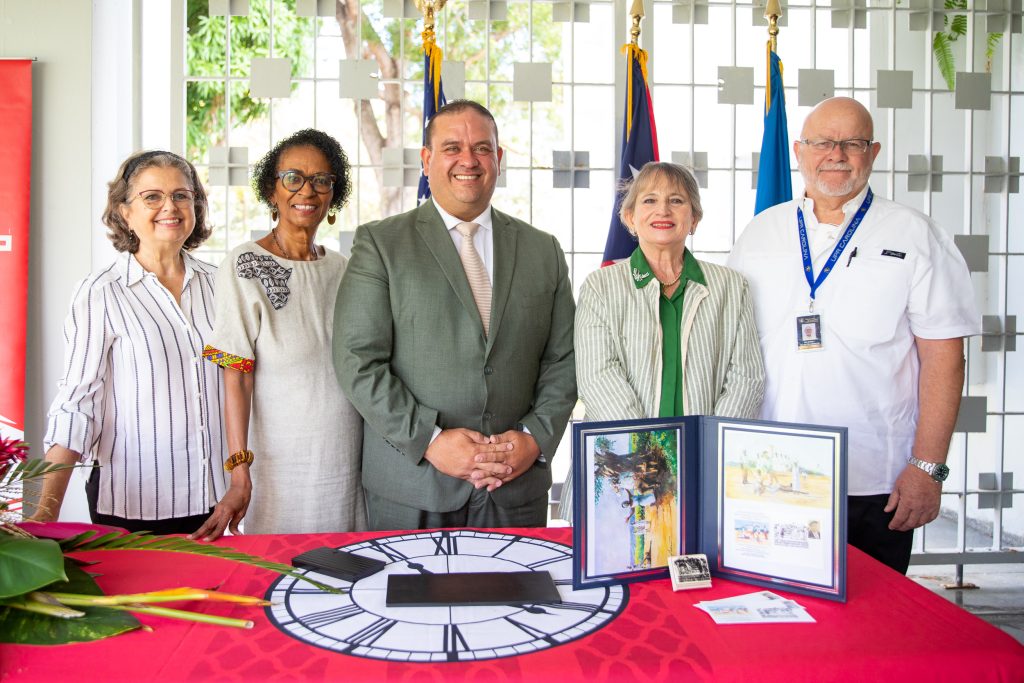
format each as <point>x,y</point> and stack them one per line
<point>332,218</point>
<point>273,213</point>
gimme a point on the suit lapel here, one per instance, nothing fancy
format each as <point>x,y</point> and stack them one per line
<point>504,266</point>
<point>439,243</point>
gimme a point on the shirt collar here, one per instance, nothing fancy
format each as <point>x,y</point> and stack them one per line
<point>642,273</point>
<point>849,208</point>
<point>450,221</point>
<point>129,268</point>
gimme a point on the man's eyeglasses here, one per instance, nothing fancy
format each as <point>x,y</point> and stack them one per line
<point>854,146</point>
<point>154,199</point>
<point>322,183</point>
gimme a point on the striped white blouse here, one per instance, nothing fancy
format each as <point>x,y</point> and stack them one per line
<point>136,396</point>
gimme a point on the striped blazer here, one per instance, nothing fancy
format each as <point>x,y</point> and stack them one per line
<point>618,346</point>
<point>618,349</point>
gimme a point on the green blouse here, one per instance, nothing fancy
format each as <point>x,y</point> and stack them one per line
<point>670,313</point>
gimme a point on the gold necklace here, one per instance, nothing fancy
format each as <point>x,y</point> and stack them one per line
<point>666,285</point>
<point>313,256</point>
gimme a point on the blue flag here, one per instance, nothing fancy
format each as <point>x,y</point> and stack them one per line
<point>433,99</point>
<point>774,184</point>
<point>639,145</point>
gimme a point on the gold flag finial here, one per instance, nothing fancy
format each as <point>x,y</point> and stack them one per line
<point>637,13</point>
<point>429,9</point>
<point>772,12</point>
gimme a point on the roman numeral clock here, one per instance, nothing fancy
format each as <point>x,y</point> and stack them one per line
<point>358,622</point>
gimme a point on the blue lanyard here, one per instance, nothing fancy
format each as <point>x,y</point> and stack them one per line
<point>805,250</point>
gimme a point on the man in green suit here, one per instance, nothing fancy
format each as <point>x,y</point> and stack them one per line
<point>462,415</point>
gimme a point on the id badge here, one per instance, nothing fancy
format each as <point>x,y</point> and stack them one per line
<point>808,332</point>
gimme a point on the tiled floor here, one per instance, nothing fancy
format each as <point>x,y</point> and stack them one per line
<point>998,598</point>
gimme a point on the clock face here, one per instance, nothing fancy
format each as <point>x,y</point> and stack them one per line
<point>359,623</point>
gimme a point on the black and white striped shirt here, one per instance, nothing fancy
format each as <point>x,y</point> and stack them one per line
<point>136,395</point>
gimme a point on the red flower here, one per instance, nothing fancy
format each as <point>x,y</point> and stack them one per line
<point>12,452</point>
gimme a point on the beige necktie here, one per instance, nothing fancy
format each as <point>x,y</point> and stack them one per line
<point>476,273</point>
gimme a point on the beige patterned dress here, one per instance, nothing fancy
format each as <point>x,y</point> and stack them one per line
<point>275,319</point>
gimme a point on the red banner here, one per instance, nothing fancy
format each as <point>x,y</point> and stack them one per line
<point>15,173</point>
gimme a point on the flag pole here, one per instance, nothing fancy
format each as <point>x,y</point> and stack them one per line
<point>429,8</point>
<point>636,12</point>
<point>433,91</point>
<point>772,12</point>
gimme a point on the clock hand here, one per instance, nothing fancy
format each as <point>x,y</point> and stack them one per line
<point>419,567</point>
<point>533,609</point>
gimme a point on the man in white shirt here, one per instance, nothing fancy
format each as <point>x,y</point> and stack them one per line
<point>862,306</point>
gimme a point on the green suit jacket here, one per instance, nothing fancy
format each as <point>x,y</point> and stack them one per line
<point>410,352</point>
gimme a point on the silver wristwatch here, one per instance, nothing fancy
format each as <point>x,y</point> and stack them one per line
<point>936,470</point>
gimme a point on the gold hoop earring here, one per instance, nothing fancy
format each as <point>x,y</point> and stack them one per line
<point>332,218</point>
<point>274,214</point>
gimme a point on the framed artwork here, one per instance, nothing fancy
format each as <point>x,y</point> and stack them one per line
<point>775,505</point>
<point>764,501</point>
<point>630,497</point>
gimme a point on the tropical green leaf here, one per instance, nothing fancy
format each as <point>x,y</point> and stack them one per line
<point>27,564</point>
<point>944,59</point>
<point>34,469</point>
<point>957,27</point>
<point>176,544</point>
<point>991,45</point>
<point>29,628</point>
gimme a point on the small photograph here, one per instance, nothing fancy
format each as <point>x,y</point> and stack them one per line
<point>689,571</point>
<point>814,530</point>
<point>791,535</point>
<point>749,531</point>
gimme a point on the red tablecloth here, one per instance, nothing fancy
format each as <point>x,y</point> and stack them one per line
<point>890,629</point>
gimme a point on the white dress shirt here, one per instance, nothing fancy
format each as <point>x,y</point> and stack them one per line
<point>898,278</point>
<point>136,396</point>
<point>483,240</point>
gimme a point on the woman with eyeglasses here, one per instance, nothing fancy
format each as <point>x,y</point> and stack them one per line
<point>294,439</point>
<point>136,398</point>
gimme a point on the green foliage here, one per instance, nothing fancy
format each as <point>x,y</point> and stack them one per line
<point>92,540</point>
<point>28,564</point>
<point>942,49</point>
<point>991,45</point>
<point>206,100</point>
<point>21,627</point>
<point>942,42</point>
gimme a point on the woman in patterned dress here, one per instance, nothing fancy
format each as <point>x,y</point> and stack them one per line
<point>294,439</point>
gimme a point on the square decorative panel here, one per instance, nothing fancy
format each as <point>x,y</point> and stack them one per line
<point>270,77</point>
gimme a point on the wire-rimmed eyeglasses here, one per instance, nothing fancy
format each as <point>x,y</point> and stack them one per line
<point>154,199</point>
<point>852,146</point>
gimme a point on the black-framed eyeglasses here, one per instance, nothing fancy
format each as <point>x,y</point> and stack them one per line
<point>322,183</point>
<point>852,146</point>
<point>154,199</point>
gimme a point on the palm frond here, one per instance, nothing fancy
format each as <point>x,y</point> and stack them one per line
<point>957,27</point>
<point>33,469</point>
<point>92,540</point>
<point>944,59</point>
<point>991,45</point>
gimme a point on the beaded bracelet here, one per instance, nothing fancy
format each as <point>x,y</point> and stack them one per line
<point>239,458</point>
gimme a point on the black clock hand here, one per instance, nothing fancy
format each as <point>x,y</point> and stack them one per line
<point>418,567</point>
